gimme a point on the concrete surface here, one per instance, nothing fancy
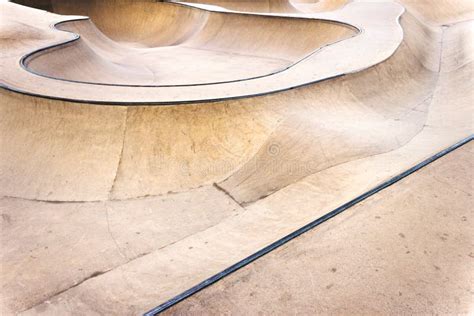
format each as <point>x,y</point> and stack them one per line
<point>111,209</point>
<point>406,250</point>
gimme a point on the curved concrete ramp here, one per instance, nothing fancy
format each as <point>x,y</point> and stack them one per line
<point>265,6</point>
<point>126,181</point>
<point>318,64</point>
<point>96,59</point>
<point>276,6</point>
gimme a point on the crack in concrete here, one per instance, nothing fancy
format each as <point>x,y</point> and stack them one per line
<point>441,49</point>
<point>89,277</point>
<point>119,163</point>
<point>49,201</point>
<point>111,235</point>
<point>142,197</point>
<point>219,188</point>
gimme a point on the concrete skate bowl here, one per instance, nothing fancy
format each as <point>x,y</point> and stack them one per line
<point>166,44</point>
<point>445,12</point>
<point>279,6</point>
<point>137,187</point>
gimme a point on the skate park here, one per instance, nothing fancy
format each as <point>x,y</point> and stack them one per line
<point>183,157</point>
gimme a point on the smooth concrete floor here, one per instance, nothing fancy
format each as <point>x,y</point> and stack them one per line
<point>406,250</point>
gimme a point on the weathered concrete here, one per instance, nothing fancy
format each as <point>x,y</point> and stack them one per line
<point>407,250</point>
<point>113,209</point>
